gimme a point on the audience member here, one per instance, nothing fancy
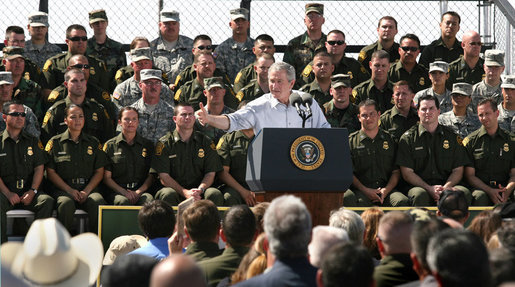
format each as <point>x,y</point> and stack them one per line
<point>485,224</point>
<point>259,212</point>
<point>131,270</point>
<point>177,271</point>
<point>371,217</point>
<point>122,245</point>
<point>502,262</point>
<point>252,264</point>
<point>201,225</point>
<point>323,238</point>
<point>349,221</point>
<point>453,204</point>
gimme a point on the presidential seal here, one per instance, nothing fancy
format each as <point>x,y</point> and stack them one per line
<point>307,153</point>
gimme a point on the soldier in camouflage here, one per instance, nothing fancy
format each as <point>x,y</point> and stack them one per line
<point>301,49</point>
<point>438,74</point>
<point>323,69</point>
<point>386,31</point>
<point>339,111</point>
<point>126,72</point>
<point>462,119</point>
<point>171,51</point>
<point>263,44</point>
<point>102,47</point>
<point>490,86</point>
<point>155,115</point>
<point>259,86</point>
<point>38,49</point>
<point>507,107</point>
<point>469,67</point>
<point>235,53</point>
<point>128,92</point>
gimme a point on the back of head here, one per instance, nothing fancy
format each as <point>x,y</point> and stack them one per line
<point>323,238</point>
<point>177,271</point>
<point>288,227</point>
<point>458,258</point>
<point>506,235</point>
<point>129,270</point>
<point>156,219</point>
<point>422,232</point>
<point>371,217</point>
<point>347,265</point>
<point>239,225</point>
<point>349,221</point>
<point>259,212</point>
<point>485,224</point>
<point>453,204</point>
<point>202,221</point>
<point>502,262</point>
<point>394,232</point>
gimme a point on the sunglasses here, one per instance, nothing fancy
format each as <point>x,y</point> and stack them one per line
<point>208,47</point>
<point>412,49</point>
<point>80,66</point>
<point>332,43</point>
<point>77,39</point>
<point>17,114</point>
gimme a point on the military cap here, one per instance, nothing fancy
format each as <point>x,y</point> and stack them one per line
<point>6,78</point>
<point>509,82</point>
<point>210,83</point>
<point>147,74</point>
<point>419,214</point>
<point>38,19</point>
<point>439,66</point>
<point>13,52</point>
<point>462,89</point>
<point>143,53</point>
<point>170,15</point>
<point>97,16</point>
<point>315,7</point>
<point>340,80</point>
<point>239,13</point>
<point>494,58</point>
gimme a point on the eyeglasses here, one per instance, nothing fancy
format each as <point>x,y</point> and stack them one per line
<point>17,114</point>
<point>407,48</point>
<point>80,66</point>
<point>333,43</point>
<point>77,39</point>
<point>476,44</point>
<point>208,47</point>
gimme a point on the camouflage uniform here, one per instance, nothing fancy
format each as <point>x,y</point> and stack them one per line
<point>128,92</point>
<point>460,72</point>
<point>418,78</point>
<point>461,128</point>
<point>320,96</point>
<point>358,73</point>
<point>396,124</point>
<point>211,132</point>
<point>250,92</point>
<point>347,118</point>
<point>155,123</point>
<point>482,90</point>
<point>301,50</point>
<point>110,52</point>
<point>189,74</point>
<point>244,77</point>
<point>40,56</point>
<point>232,56</point>
<point>174,61</point>
<point>31,123</point>
<point>29,93</point>
<point>192,92</point>
<point>437,51</point>
<point>365,55</point>
<point>367,90</point>
<point>445,99</point>
<point>506,119</point>
<point>128,72</point>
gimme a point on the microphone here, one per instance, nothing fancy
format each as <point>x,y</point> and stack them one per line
<point>307,100</point>
<point>296,101</point>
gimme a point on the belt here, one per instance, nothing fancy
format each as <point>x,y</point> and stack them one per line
<point>20,183</point>
<point>131,185</point>
<point>79,180</point>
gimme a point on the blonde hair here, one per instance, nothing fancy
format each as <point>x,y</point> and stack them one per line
<point>253,263</point>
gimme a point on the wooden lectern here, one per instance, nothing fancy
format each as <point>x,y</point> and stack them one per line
<point>313,164</point>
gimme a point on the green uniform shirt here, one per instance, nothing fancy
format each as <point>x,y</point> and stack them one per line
<point>365,55</point>
<point>250,92</point>
<point>74,161</point>
<point>192,92</point>
<point>460,72</point>
<point>18,160</point>
<point>367,90</point>
<point>203,250</point>
<point>418,78</point>
<point>244,77</point>
<point>218,268</point>
<point>394,270</point>
<point>358,74</point>
<point>320,96</point>
<point>338,118</point>
<point>189,74</point>
<point>129,164</point>
<point>29,93</point>
<point>431,156</point>
<point>301,50</point>
<point>437,51</point>
<point>396,124</point>
<point>232,149</point>
<point>32,72</point>
<point>492,157</point>
<point>186,162</point>
<point>373,160</point>
<point>213,133</point>
<point>110,52</point>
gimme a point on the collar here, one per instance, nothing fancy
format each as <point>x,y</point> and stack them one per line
<point>66,136</point>
<point>371,85</point>
<point>137,139</point>
<point>457,44</point>
<point>422,129</point>
<point>180,43</point>
<point>5,135</point>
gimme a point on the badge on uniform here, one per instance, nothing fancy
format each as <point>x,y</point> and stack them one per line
<point>354,95</point>
<point>350,74</point>
<point>26,76</point>
<point>144,152</point>
<point>212,146</point>
<point>385,145</point>
<point>307,70</point>
<point>94,117</point>
<point>92,70</point>
<point>201,153</point>
<point>159,148</point>
<point>90,150</point>
<point>446,144</point>
<point>106,96</point>
<point>29,151</point>
<point>239,95</point>
<point>422,82</point>
<point>506,147</point>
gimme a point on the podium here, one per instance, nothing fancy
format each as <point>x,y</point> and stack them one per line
<point>313,164</point>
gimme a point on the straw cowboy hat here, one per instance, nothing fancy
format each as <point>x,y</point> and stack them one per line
<point>50,257</point>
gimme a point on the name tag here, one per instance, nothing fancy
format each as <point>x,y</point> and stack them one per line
<point>478,149</point>
<point>237,146</point>
<point>3,154</point>
<point>419,148</point>
<point>172,156</point>
<point>117,153</point>
<point>360,147</point>
<point>62,124</point>
<point>61,153</point>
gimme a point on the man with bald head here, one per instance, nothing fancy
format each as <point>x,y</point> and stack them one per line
<point>177,271</point>
<point>469,67</point>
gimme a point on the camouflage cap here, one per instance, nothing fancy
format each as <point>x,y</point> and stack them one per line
<point>12,52</point>
<point>508,82</point>
<point>210,83</point>
<point>97,16</point>
<point>38,19</point>
<point>239,13</point>
<point>6,78</point>
<point>439,66</point>
<point>169,15</point>
<point>147,74</point>
<point>494,58</point>
<point>315,7</point>
<point>141,54</point>
<point>462,89</point>
<point>340,80</point>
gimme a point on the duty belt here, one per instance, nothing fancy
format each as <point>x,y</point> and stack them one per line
<point>20,183</point>
<point>79,180</point>
<point>131,185</point>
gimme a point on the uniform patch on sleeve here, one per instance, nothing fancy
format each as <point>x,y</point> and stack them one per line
<point>105,147</point>
<point>177,95</point>
<point>159,148</point>
<point>53,96</point>
<point>118,75</point>
<point>105,96</point>
<point>49,146</point>
<point>212,146</point>
<point>307,70</point>
<point>177,79</point>
<point>239,95</point>
<point>466,141</point>
<point>220,142</point>
<point>238,77</point>
<point>116,95</point>
<point>362,56</point>
<point>47,65</point>
<point>40,145</point>
<point>46,118</point>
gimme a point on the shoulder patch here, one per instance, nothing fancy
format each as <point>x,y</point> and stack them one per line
<point>105,147</point>
<point>307,70</point>
<point>362,56</point>
<point>212,146</point>
<point>239,95</point>
<point>40,145</point>
<point>53,96</point>
<point>220,142</point>
<point>177,79</point>
<point>159,148</point>
<point>363,70</point>
<point>47,65</point>
<point>465,141</point>
<point>238,78</point>
<point>46,118</point>
<point>177,95</point>
<point>106,97</point>
<point>49,146</point>
<point>118,75</point>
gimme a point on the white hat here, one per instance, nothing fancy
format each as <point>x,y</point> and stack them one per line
<point>50,257</point>
<point>122,245</point>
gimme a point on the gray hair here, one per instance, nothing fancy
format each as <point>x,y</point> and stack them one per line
<point>349,221</point>
<point>324,237</point>
<point>287,224</point>
<point>282,66</point>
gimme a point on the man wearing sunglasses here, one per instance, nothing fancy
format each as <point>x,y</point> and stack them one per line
<point>386,31</point>
<point>55,67</point>
<point>469,67</point>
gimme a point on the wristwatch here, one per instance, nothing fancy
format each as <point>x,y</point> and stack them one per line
<point>35,190</point>
<point>203,189</point>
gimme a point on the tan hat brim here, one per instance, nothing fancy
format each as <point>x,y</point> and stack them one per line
<point>38,25</point>
<point>139,58</point>
<point>96,20</point>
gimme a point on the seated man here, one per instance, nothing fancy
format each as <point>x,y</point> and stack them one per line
<point>339,111</point>
<point>202,226</point>
<point>402,116</point>
<point>462,119</point>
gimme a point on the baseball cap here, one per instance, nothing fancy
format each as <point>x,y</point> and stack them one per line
<point>494,58</point>
<point>170,15</point>
<point>210,83</point>
<point>239,13</point>
<point>13,52</point>
<point>439,66</point>
<point>38,19</point>
<point>6,78</point>
<point>122,245</point>
<point>143,53</point>
<point>462,89</point>
<point>340,80</point>
<point>508,82</point>
<point>147,74</point>
<point>315,7</point>
<point>97,16</point>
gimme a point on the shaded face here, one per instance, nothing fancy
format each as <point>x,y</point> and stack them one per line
<point>15,122</point>
<point>15,66</point>
<point>460,101</point>
<point>6,91</point>
<point>17,40</point>
<point>335,44</point>
<point>323,67</point>
<point>493,72</point>
<point>78,45</point>
<point>170,30</point>
<point>151,89</point>
<point>387,30</point>
<point>99,27</point>
<point>129,121</point>
<point>75,119</point>
<point>185,118</point>
<point>262,46</point>
<point>239,26</point>
<point>402,97</point>
<point>487,116</point>
<point>471,44</point>
<point>141,44</point>
<point>314,21</point>
<point>369,118</point>
<point>215,95</point>
<point>279,85</point>
<point>449,26</point>
<point>409,56</point>
<point>428,112</point>
<point>205,67</point>
<point>202,46</point>
<point>81,64</point>
<point>341,94</point>
<point>141,65</point>
<point>438,78</point>
<point>379,68</point>
<point>38,33</point>
<point>509,96</point>
<point>76,84</point>
<point>261,68</point>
